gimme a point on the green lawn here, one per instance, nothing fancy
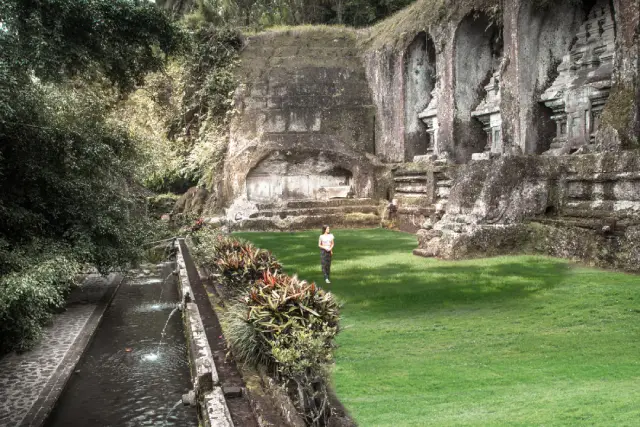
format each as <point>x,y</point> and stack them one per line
<point>519,340</point>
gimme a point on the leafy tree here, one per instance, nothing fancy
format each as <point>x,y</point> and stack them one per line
<point>256,13</point>
<point>57,39</point>
<point>67,193</point>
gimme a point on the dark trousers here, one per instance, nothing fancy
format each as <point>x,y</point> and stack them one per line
<point>325,261</point>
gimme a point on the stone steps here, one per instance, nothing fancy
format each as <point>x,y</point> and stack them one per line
<point>302,204</point>
<point>312,214</point>
<point>309,222</point>
<point>320,210</point>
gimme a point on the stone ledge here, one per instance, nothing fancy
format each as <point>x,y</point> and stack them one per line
<point>213,408</point>
<point>216,413</point>
<point>52,390</point>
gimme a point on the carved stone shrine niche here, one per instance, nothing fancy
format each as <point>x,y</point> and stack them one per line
<point>579,93</point>
<point>488,111</point>
<point>478,49</point>
<point>419,82</point>
<point>298,176</point>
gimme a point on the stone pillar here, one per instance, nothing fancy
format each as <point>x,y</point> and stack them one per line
<point>622,113</point>
<point>509,89</point>
<point>384,71</point>
<point>444,124</point>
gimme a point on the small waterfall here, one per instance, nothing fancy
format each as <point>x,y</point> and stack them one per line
<point>165,328</point>
<point>169,413</point>
<point>164,281</point>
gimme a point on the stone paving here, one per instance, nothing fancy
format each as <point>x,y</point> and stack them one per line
<point>23,377</point>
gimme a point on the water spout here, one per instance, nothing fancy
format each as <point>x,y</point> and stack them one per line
<point>172,409</point>
<point>165,328</point>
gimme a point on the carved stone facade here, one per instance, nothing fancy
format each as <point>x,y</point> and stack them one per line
<point>488,112</point>
<point>294,176</point>
<point>441,94</point>
<point>579,93</point>
<point>430,118</point>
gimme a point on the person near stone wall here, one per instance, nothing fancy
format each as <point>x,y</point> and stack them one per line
<point>326,251</point>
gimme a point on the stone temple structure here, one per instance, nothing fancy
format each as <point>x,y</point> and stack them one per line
<point>497,126</point>
<point>579,93</point>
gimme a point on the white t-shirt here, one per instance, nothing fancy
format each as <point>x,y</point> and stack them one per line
<point>325,241</point>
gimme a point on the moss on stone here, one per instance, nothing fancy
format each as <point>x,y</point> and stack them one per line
<point>414,201</point>
<point>330,30</point>
<point>618,111</point>
<point>414,167</point>
<point>359,216</point>
<point>397,30</point>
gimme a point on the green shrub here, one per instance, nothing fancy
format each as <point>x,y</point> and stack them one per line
<point>28,299</point>
<point>288,326</point>
<point>206,242</point>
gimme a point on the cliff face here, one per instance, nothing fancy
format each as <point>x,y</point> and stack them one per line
<point>304,117</point>
<point>502,109</point>
<point>523,121</point>
<point>484,72</point>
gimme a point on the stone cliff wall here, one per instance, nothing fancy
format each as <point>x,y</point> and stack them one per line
<point>531,77</point>
<point>537,77</point>
<point>498,126</point>
<point>304,121</point>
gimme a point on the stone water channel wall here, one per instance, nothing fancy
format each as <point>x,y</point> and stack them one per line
<point>32,382</point>
<point>207,391</point>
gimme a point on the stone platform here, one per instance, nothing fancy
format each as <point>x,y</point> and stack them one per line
<point>311,214</point>
<point>31,382</point>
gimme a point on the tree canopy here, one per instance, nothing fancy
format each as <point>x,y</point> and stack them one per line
<point>260,13</point>
<point>64,169</point>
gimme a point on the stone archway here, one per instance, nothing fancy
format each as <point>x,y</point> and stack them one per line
<point>477,56</point>
<point>419,78</point>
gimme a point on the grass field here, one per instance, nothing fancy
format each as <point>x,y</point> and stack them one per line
<point>514,341</point>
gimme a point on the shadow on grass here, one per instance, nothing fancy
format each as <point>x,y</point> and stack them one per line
<point>407,288</point>
<point>301,248</point>
<point>414,285</point>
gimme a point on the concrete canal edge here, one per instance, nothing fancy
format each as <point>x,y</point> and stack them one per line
<point>209,397</point>
<point>52,391</point>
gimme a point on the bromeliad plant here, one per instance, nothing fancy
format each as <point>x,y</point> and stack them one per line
<point>242,264</point>
<point>236,262</point>
<point>289,326</point>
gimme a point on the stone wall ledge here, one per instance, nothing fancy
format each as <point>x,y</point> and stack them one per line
<point>212,407</point>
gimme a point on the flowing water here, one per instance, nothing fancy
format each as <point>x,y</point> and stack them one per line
<point>171,411</point>
<point>135,369</point>
<point>162,334</point>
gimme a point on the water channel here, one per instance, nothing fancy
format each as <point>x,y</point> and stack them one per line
<point>135,370</point>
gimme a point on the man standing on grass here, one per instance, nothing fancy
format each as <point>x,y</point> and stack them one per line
<point>326,251</point>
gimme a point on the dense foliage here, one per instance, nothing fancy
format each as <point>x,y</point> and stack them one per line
<point>289,326</point>
<point>180,116</point>
<point>28,297</point>
<point>56,39</point>
<point>261,13</point>
<point>67,190</point>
